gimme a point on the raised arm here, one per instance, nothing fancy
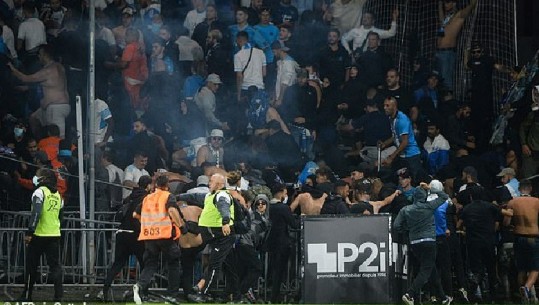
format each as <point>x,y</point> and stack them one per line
<point>465,12</point>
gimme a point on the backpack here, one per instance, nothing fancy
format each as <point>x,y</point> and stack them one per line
<point>258,107</point>
<point>115,193</point>
<point>242,221</point>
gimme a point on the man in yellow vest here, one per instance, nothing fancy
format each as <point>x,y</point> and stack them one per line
<point>159,229</point>
<point>43,235</point>
<point>216,226</point>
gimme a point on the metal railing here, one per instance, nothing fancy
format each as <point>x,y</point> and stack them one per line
<point>13,226</point>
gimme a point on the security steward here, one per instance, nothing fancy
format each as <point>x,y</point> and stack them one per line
<point>216,226</point>
<point>43,235</point>
<point>160,224</point>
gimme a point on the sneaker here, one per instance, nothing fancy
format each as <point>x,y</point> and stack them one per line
<point>250,296</point>
<point>103,295</point>
<point>525,295</point>
<point>464,294</point>
<point>136,294</point>
<point>447,300</point>
<point>198,298</point>
<point>407,299</point>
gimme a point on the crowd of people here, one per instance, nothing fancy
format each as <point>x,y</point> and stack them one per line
<point>299,101</point>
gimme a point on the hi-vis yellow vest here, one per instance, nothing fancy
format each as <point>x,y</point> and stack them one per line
<point>210,216</point>
<point>49,222</point>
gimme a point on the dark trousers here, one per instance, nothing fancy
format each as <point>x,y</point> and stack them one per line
<point>456,259</point>
<point>171,254</point>
<point>126,245</point>
<point>425,254</point>
<point>443,263</point>
<point>251,266</point>
<point>50,246</point>
<point>481,257</point>
<point>220,247</point>
<point>189,256</point>
<point>278,266</point>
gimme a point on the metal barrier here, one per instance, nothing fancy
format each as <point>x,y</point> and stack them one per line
<point>13,226</point>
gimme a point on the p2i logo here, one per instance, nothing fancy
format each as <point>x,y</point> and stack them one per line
<point>334,262</point>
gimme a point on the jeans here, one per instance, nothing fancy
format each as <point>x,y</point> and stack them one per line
<point>425,254</point>
<point>188,259</point>
<point>446,64</point>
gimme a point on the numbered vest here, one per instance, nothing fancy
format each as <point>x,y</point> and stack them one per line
<point>155,223</point>
<point>49,221</point>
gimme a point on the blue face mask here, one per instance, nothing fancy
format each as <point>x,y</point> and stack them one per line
<point>18,132</point>
<point>35,180</point>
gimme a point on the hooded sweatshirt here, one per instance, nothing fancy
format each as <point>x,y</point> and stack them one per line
<point>417,219</point>
<point>260,225</point>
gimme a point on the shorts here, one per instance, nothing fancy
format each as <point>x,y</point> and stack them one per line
<point>54,114</point>
<point>527,253</point>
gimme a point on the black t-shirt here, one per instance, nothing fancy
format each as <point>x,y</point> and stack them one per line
<point>375,127</point>
<point>401,95</point>
<point>333,64</point>
<point>479,219</point>
<point>482,69</point>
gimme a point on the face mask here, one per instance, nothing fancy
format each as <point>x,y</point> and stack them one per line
<point>35,180</point>
<point>285,199</point>
<point>18,132</point>
<point>535,107</point>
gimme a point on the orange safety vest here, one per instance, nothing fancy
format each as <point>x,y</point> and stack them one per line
<point>155,223</point>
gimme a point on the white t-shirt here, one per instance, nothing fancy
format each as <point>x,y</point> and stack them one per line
<point>286,73</point>
<point>132,174</point>
<point>253,74</point>
<point>113,170</point>
<point>107,35</point>
<point>102,112</point>
<point>192,19</point>
<point>32,31</point>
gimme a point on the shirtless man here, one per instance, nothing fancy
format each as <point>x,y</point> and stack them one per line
<point>54,107</point>
<point>451,22</point>
<point>309,204</point>
<point>525,210</point>
<point>190,245</point>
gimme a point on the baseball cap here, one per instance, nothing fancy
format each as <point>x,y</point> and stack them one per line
<point>404,173</point>
<point>217,133</point>
<point>279,46</point>
<point>214,78</point>
<point>507,171</point>
<point>203,180</point>
<point>128,11</point>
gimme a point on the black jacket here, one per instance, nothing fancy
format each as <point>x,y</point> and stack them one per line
<point>133,201</point>
<point>282,219</point>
